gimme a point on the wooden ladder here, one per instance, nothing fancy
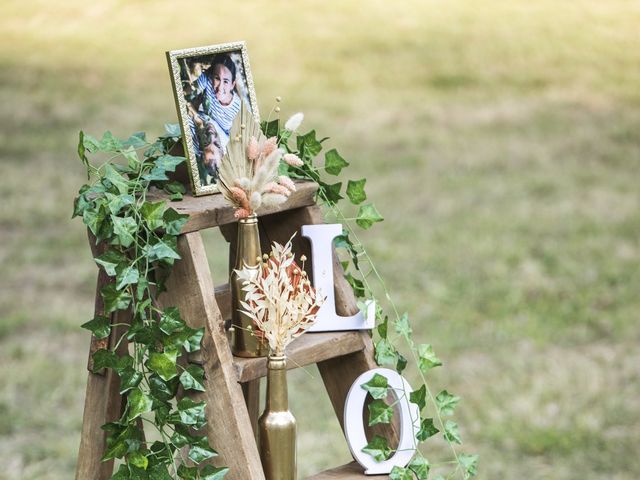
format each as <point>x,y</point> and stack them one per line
<point>232,384</point>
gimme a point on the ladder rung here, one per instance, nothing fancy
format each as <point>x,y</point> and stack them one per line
<point>350,471</point>
<point>212,210</point>
<point>305,350</point>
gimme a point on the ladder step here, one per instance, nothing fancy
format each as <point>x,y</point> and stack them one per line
<point>213,210</point>
<point>350,471</point>
<point>305,350</point>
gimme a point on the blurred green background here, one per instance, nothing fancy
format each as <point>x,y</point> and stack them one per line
<point>499,139</point>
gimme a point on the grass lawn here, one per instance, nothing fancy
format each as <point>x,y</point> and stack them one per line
<point>499,139</point>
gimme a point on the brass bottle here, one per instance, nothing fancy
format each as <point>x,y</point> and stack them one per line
<point>247,342</point>
<point>277,425</point>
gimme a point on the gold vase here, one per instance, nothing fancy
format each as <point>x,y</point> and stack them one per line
<point>247,341</point>
<point>277,425</point>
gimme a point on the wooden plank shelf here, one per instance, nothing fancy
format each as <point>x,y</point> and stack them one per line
<point>350,471</point>
<point>212,210</point>
<point>304,350</point>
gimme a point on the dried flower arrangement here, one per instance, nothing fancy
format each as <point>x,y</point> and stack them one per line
<point>249,169</point>
<point>280,298</point>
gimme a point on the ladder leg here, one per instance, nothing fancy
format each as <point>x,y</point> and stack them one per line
<point>103,402</point>
<point>190,288</point>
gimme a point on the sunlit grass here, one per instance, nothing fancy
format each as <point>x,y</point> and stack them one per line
<point>499,139</point>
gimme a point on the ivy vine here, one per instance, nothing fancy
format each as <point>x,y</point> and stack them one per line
<point>138,239</point>
<point>393,329</point>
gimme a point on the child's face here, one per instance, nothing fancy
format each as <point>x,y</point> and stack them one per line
<point>223,84</point>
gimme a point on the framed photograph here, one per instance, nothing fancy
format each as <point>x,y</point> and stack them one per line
<point>209,84</point>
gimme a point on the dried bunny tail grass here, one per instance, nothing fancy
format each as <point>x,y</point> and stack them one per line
<point>293,160</point>
<point>286,182</point>
<point>272,199</point>
<point>269,146</point>
<point>255,201</point>
<point>253,149</point>
<point>267,171</point>
<point>273,187</point>
<point>244,183</point>
<point>239,197</point>
<point>241,213</point>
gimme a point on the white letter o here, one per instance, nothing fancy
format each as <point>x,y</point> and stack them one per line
<point>354,425</point>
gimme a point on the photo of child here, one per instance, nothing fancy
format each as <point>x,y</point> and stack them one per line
<point>213,87</point>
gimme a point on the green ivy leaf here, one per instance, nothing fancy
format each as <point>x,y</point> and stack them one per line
<point>115,203</point>
<point>403,328</point>
<point>385,353</point>
<point>210,472</point>
<point>162,390</point>
<point>357,285</point>
<point>138,403</point>
<point>176,190</point>
<point>164,364</point>
<point>170,321</point>
<point>427,358</point>
<point>122,473</point>
<point>451,432</point>
<point>93,218</point>
<point>446,402</point>
<point>334,163</point>
<point>104,359</point>
<point>400,473</point>
<point>128,275</point>
<point>187,473</point>
<point>331,193</point>
<point>124,228</point>
<point>343,241</point>
<point>168,163</point>
<point>401,364</point>
<point>152,213</point>
<point>100,326</point>
<point>191,413</point>
<point>307,145</point>
<point>114,299</point>
<point>383,328</point>
<point>192,344</point>
<point>129,378</point>
<point>162,250</point>
<point>378,448</point>
<point>109,260</point>
<point>379,412</point>
<point>201,451</point>
<point>118,441</point>
<point>377,386</point>
<point>114,179</point>
<point>138,459</point>
<point>193,378</point>
<point>469,464</point>
<point>174,221</point>
<point>355,191</point>
<point>368,215</point>
<point>427,429</point>
<point>159,471</point>
<point>420,466</point>
<point>419,397</point>
<point>270,129</point>
<point>135,141</point>
<point>173,130</point>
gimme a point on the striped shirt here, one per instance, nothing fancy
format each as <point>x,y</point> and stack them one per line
<point>222,115</point>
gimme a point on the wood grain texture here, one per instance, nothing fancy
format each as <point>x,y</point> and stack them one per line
<point>350,471</point>
<point>213,210</point>
<point>305,350</point>
<point>190,288</point>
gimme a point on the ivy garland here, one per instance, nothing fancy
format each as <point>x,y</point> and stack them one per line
<point>140,239</point>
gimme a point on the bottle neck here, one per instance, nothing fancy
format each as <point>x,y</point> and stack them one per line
<point>277,394</point>
<point>248,244</point>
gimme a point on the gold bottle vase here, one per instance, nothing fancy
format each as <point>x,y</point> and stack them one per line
<point>277,425</point>
<point>247,340</point>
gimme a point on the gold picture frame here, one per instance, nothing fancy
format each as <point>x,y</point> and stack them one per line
<point>208,82</point>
